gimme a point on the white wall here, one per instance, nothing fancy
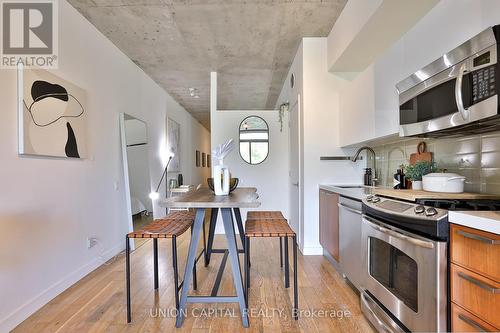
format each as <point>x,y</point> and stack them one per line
<point>320,113</point>
<point>49,206</point>
<point>372,95</point>
<point>271,176</point>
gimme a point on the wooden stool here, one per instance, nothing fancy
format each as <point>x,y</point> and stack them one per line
<point>171,226</point>
<point>265,215</point>
<point>272,228</point>
<point>269,215</point>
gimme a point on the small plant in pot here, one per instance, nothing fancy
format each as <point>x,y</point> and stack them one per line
<point>416,171</point>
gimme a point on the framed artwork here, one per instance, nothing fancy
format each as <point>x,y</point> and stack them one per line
<point>209,161</point>
<point>197,158</point>
<point>203,159</point>
<point>52,116</point>
<point>173,144</point>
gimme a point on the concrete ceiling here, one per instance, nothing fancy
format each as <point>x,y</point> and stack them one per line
<point>178,43</point>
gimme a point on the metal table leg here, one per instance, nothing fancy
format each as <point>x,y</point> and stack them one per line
<point>235,262</point>
<point>211,233</point>
<point>190,262</point>
<point>239,223</point>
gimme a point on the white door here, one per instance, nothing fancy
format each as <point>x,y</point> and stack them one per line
<point>294,173</point>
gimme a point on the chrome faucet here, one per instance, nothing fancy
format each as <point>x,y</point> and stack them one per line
<point>356,156</point>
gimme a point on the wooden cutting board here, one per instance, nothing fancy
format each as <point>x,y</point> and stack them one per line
<point>421,155</point>
<point>414,195</point>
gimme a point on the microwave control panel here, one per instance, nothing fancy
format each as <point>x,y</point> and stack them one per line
<point>483,83</point>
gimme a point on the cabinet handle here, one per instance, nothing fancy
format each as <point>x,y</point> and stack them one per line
<point>478,237</point>
<point>472,323</point>
<point>352,210</point>
<point>478,283</point>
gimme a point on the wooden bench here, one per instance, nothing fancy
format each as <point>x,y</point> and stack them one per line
<point>272,227</point>
<point>171,226</point>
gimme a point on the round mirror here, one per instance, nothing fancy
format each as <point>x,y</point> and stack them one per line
<point>254,140</point>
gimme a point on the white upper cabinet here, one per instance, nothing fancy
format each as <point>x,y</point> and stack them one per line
<point>369,101</point>
<point>356,112</point>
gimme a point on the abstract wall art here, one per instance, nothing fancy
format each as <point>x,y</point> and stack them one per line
<point>197,159</point>
<point>173,144</point>
<point>52,115</point>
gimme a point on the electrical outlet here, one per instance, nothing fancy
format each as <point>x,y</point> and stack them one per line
<point>91,242</point>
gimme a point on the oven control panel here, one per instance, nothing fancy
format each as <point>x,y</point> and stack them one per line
<point>404,208</point>
<point>483,83</point>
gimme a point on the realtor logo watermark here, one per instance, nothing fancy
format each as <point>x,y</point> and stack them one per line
<point>29,34</point>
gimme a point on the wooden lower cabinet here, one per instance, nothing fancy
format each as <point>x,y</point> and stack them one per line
<point>476,250</point>
<point>464,321</point>
<point>329,222</point>
<point>475,282</point>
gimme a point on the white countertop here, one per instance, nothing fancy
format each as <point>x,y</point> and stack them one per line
<point>483,220</point>
<point>354,191</point>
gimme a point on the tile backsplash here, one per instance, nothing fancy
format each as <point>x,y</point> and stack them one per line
<point>475,157</point>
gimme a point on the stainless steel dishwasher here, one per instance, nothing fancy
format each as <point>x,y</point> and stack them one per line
<point>350,221</point>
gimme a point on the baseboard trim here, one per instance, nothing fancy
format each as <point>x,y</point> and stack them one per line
<point>27,309</point>
<point>312,251</point>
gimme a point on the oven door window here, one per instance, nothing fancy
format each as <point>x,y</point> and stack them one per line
<point>396,271</point>
<point>439,101</point>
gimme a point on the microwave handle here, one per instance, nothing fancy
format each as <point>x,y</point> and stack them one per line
<point>458,93</point>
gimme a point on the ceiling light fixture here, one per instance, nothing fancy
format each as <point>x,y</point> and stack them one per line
<point>193,92</point>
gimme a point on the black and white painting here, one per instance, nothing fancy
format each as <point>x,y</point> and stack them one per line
<point>173,144</point>
<point>52,115</point>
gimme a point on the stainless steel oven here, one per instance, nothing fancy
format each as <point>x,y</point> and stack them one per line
<point>456,94</point>
<point>405,273</point>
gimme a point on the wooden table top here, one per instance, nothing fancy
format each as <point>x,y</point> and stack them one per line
<point>242,197</point>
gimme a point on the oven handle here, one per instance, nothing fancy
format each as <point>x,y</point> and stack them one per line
<point>374,315</point>
<point>458,93</point>
<point>414,241</point>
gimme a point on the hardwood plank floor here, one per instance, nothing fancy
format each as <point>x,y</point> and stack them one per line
<point>97,302</point>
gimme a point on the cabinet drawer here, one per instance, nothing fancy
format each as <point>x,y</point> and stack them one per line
<point>464,321</point>
<point>477,250</point>
<point>476,294</point>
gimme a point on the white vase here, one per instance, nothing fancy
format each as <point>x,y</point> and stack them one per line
<point>221,179</point>
<point>416,185</point>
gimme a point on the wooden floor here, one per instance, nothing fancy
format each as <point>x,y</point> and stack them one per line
<point>97,302</point>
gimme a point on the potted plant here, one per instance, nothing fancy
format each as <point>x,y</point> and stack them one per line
<point>416,171</point>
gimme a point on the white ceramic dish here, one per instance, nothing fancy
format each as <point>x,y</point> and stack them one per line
<point>443,182</point>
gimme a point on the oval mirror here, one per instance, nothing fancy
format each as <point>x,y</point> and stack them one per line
<point>254,140</point>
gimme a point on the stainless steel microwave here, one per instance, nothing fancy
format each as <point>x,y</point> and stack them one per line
<point>456,94</point>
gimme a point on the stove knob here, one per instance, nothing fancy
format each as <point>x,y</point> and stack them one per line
<point>369,198</point>
<point>419,209</point>
<point>431,211</point>
<point>375,199</point>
